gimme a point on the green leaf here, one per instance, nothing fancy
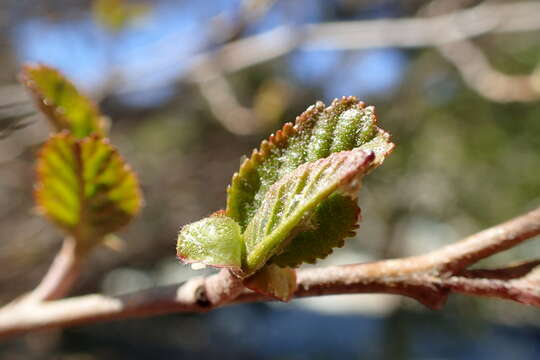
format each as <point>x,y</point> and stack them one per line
<point>273,281</point>
<point>85,187</point>
<point>288,204</point>
<point>63,104</point>
<point>295,198</point>
<point>344,125</point>
<point>334,220</point>
<point>215,241</point>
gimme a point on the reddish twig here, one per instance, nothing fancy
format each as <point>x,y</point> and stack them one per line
<point>427,278</point>
<point>525,290</point>
<point>507,273</point>
<point>198,295</point>
<point>61,275</point>
<point>460,255</point>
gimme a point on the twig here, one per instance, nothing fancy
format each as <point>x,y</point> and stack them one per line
<point>60,276</point>
<point>224,105</point>
<point>443,31</point>
<point>413,32</point>
<point>479,75</point>
<point>458,256</point>
<point>507,273</point>
<point>14,116</point>
<point>525,291</point>
<point>212,82</point>
<point>474,65</point>
<point>196,294</point>
<point>427,278</point>
<point>366,34</point>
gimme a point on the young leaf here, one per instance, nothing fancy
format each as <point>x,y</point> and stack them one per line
<point>344,125</point>
<point>85,187</point>
<point>295,198</point>
<point>63,104</point>
<point>334,220</point>
<point>273,281</point>
<point>215,241</point>
<point>291,200</point>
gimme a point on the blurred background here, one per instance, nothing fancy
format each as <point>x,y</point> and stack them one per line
<point>191,86</point>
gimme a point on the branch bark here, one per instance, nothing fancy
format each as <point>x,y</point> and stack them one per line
<point>61,275</point>
<point>455,257</point>
<point>428,278</point>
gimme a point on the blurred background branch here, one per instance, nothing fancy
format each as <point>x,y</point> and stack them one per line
<point>450,33</point>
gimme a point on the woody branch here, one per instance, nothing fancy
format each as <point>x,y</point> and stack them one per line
<point>427,278</point>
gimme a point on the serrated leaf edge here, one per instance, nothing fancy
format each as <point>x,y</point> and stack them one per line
<point>54,111</point>
<point>313,260</point>
<point>352,174</point>
<point>280,139</point>
<point>39,175</point>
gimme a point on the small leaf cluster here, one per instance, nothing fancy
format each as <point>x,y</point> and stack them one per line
<point>83,184</point>
<point>293,200</point>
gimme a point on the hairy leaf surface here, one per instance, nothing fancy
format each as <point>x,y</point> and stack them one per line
<point>63,104</point>
<point>292,199</point>
<point>215,241</point>
<point>344,125</point>
<point>85,186</point>
<point>333,220</point>
<point>273,281</point>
